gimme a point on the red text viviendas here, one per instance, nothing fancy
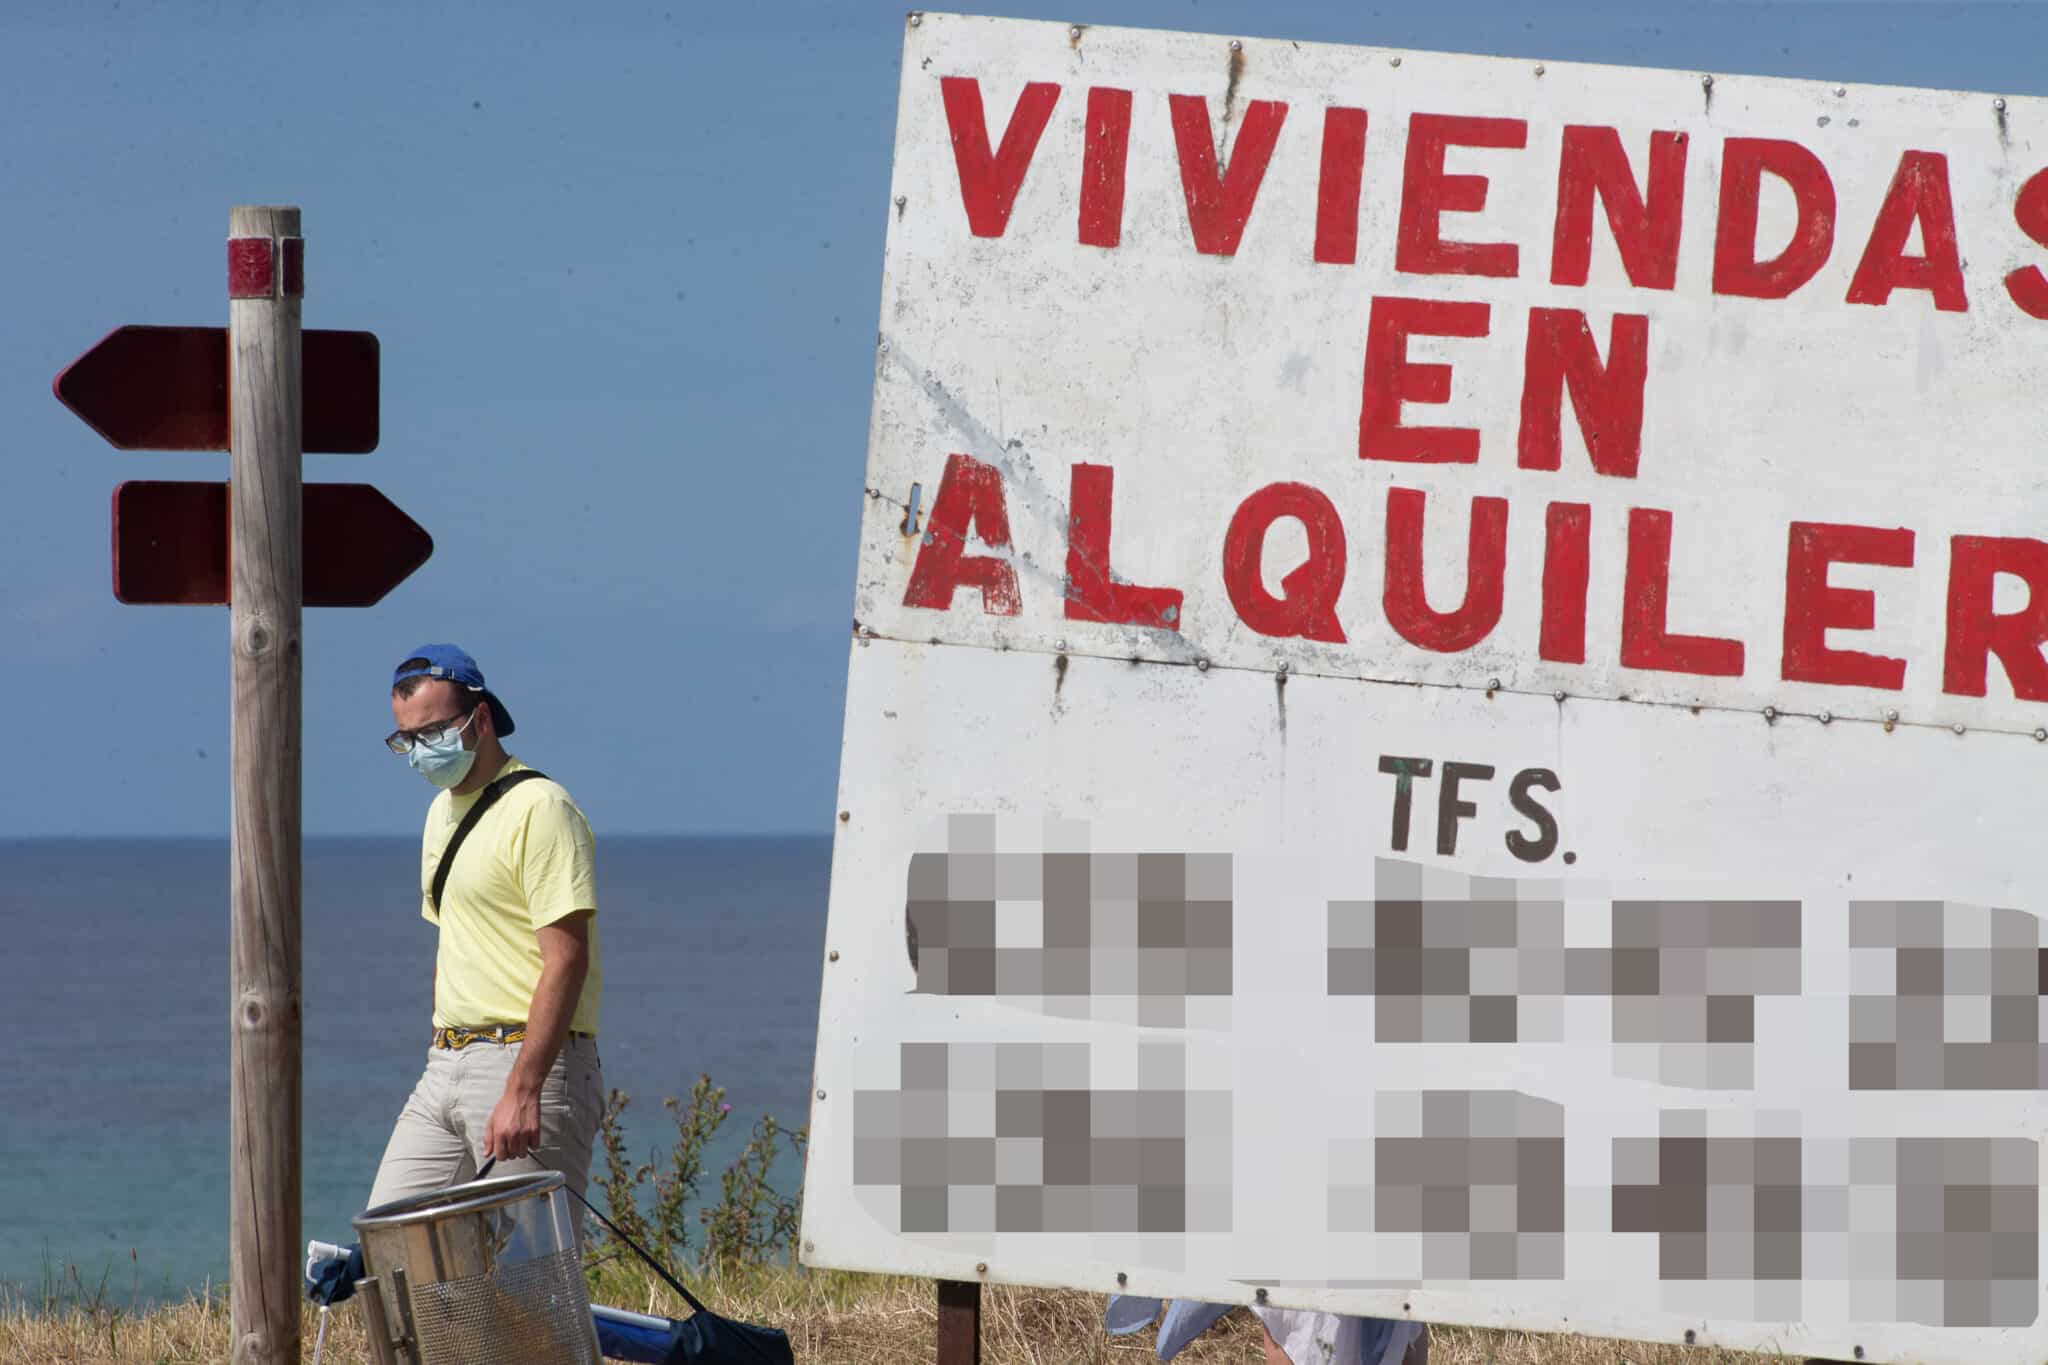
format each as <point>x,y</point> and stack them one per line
<point>1910,244</point>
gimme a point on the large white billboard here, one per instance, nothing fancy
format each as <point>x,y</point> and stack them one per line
<point>1447,692</point>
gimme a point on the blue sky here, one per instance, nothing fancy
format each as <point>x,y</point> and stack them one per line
<point>624,261</point>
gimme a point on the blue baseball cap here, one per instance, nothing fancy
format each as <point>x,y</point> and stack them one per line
<point>451,663</point>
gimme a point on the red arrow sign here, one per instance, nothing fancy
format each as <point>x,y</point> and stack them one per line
<point>171,544</point>
<point>166,388</point>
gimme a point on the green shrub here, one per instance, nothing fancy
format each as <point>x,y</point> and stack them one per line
<point>752,1224</point>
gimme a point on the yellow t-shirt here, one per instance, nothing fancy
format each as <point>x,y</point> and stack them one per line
<point>529,862</point>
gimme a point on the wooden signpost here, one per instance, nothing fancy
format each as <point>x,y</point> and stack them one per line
<point>264,551</point>
<point>266,391</point>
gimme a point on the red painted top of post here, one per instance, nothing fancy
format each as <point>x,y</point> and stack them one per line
<point>252,268</point>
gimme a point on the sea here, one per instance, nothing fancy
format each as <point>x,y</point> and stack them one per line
<point>114,1035</point>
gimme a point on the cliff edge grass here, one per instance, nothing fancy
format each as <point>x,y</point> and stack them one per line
<point>832,1318</point>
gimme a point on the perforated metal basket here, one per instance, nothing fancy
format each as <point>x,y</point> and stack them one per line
<point>486,1273</point>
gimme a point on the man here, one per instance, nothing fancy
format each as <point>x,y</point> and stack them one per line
<point>513,1070</point>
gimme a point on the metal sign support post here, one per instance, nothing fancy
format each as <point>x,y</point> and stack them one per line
<point>959,1322</point>
<point>265,283</point>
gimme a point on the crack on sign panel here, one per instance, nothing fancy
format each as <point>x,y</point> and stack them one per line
<point>1236,69</point>
<point>1025,488</point>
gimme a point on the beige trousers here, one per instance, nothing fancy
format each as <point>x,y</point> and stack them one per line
<point>438,1139</point>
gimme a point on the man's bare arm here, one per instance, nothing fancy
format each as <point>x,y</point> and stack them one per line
<point>514,1129</point>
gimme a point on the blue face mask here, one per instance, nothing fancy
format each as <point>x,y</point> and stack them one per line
<point>443,761</point>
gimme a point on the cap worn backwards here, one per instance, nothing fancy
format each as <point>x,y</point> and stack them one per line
<point>451,663</point>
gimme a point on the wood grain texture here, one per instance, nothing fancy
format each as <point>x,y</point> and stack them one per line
<point>267,582</point>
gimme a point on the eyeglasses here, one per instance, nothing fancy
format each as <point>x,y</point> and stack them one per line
<point>400,742</point>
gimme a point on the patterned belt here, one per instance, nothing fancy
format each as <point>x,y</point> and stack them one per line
<point>456,1039</point>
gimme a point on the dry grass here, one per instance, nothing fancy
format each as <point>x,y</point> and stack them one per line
<point>830,1317</point>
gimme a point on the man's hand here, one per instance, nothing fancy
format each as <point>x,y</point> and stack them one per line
<point>514,1130</point>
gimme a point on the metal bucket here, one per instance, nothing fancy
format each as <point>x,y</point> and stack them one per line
<point>487,1273</point>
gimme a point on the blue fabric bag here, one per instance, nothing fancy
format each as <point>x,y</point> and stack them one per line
<point>636,1337</point>
<point>332,1279</point>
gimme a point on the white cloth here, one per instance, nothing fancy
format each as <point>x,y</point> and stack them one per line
<point>1311,1338</point>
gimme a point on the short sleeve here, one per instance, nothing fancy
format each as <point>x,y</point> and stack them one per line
<point>558,860</point>
<point>430,857</point>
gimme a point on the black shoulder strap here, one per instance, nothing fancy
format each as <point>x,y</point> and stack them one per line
<point>484,801</point>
